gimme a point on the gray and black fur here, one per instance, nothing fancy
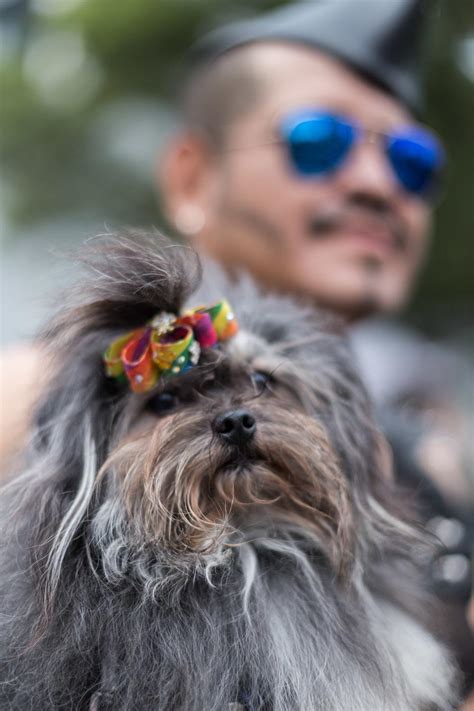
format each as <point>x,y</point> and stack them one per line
<point>145,565</point>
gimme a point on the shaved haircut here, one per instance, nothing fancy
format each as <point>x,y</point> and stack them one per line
<point>222,91</point>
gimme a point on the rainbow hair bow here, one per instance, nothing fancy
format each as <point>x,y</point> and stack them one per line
<point>168,345</point>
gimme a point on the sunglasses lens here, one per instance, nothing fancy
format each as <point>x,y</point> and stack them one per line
<point>417,159</point>
<point>317,143</point>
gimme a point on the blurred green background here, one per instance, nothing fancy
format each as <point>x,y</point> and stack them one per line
<point>87,90</point>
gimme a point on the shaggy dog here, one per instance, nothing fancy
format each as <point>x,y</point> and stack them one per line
<point>229,538</point>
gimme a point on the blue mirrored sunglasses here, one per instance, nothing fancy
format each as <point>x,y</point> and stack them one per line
<point>319,142</point>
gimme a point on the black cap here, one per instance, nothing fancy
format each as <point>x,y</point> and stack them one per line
<point>378,38</point>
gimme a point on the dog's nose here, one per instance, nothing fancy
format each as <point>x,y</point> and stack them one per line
<point>235,427</point>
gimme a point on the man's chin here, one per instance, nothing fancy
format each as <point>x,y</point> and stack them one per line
<point>360,288</point>
<point>352,309</point>
<point>360,301</point>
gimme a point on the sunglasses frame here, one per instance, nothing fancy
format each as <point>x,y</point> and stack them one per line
<point>367,135</point>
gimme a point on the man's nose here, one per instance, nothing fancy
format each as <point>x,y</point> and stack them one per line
<point>368,171</point>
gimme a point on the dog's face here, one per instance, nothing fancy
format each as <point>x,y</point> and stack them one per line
<point>269,432</point>
<point>233,445</point>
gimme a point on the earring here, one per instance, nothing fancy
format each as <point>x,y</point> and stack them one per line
<point>189,219</point>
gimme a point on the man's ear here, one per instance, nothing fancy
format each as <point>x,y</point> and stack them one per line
<point>186,179</point>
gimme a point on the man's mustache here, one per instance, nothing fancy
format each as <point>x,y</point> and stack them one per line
<point>327,221</point>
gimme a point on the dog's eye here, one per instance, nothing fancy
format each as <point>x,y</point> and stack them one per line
<point>260,380</point>
<point>163,403</point>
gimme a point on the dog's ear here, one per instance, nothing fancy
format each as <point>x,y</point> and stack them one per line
<point>129,279</point>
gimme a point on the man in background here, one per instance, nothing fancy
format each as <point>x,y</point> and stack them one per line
<point>302,160</point>
<point>246,182</point>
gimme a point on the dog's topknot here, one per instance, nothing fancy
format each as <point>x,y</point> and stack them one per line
<point>131,277</point>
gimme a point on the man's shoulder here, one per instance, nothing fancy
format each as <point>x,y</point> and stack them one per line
<point>22,370</point>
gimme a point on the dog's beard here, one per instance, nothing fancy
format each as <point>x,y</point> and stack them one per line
<point>183,488</point>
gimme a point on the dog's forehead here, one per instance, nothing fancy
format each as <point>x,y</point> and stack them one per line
<point>252,352</point>
<point>273,328</point>
<point>272,317</point>
<point>247,347</point>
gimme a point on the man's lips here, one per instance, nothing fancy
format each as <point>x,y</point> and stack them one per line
<point>378,236</point>
<point>375,241</point>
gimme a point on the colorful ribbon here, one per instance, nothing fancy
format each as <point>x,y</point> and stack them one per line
<point>168,345</point>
